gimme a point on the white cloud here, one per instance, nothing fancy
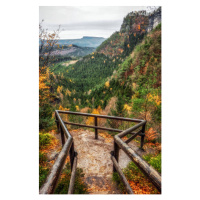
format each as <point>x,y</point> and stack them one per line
<point>80,21</point>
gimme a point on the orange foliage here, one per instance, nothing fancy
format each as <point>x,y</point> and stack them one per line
<point>151,135</point>
<point>44,93</point>
<point>143,186</point>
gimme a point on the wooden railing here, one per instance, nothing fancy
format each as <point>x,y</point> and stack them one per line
<point>146,169</point>
<point>68,147</point>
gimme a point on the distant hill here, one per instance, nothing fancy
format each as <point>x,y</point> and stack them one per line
<point>85,41</point>
<point>72,50</point>
<point>93,69</point>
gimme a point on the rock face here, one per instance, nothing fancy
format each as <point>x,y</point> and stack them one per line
<point>154,19</point>
<point>141,20</point>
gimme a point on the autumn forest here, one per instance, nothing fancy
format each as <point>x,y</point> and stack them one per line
<point>120,77</point>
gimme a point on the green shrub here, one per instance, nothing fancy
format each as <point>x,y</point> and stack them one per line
<point>44,139</point>
<point>43,172</point>
<point>118,181</point>
<point>42,157</point>
<point>155,161</point>
<point>45,117</point>
<point>63,184</point>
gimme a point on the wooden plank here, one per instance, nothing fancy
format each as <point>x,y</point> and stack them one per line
<point>132,137</point>
<point>62,136</point>
<point>101,128</point>
<point>142,136</point>
<point>96,130</point>
<point>129,130</point>
<point>50,184</point>
<point>116,154</point>
<point>66,132</point>
<point>73,175</point>
<point>89,126</point>
<point>71,155</point>
<point>122,177</point>
<point>99,116</point>
<point>148,170</point>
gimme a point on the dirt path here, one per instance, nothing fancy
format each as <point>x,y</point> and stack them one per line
<point>94,159</point>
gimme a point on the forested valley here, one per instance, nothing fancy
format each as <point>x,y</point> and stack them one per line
<point>121,77</point>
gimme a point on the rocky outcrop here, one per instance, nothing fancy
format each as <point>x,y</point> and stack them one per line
<point>154,19</point>
<point>141,21</point>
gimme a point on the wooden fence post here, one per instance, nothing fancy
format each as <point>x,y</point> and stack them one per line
<point>57,123</point>
<point>142,136</point>
<point>96,130</point>
<point>116,154</point>
<point>71,155</point>
<point>62,136</point>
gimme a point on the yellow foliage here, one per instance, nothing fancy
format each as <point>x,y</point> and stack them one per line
<point>128,45</point>
<point>77,108</point>
<point>44,92</point>
<point>90,120</point>
<point>61,108</point>
<point>68,92</point>
<point>154,98</point>
<point>70,45</point>
<point>127,108</point>
<point>42,84</point>
<point>92,57</point>
<point>59,89</point>
<point>107,84</point>
<point>135,95</point>
<point>98,110</point>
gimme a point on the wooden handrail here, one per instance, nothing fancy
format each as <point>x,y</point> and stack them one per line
<point>68,148</point>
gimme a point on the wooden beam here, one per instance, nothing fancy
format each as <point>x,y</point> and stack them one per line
<point>148,170</point>
<point>96,130</point>
<point>100,116</point>
<point>73,175</point>
<point>132,137</point>
<point>50,184</point>
<point>122,176</point>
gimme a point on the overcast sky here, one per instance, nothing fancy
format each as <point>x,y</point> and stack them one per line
<point>77,22</point>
